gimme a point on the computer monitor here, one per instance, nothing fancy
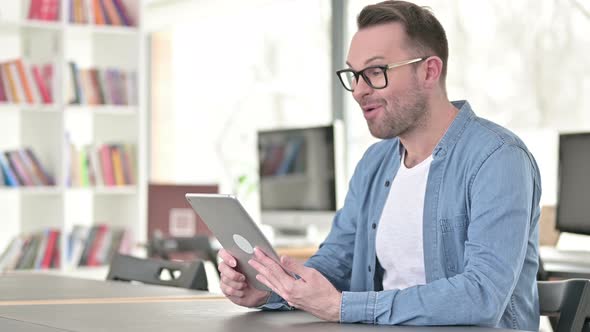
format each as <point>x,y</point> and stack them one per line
<point>573,198</point>
<point>301,177</point>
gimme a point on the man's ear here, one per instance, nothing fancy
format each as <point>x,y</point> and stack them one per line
<point>432,71</point>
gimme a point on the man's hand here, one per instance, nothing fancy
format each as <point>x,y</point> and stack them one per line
<point>312,292</point>
<point>234,286</point>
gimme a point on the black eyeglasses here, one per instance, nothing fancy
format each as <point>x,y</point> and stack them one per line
<point>374,76</point>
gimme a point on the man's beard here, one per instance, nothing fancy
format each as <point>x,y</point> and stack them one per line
<point>401,118</point>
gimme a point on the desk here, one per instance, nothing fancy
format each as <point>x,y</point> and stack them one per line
<point>197,315</point>
<point>565,264</point>
<point>18,326</point>
<point>22,288</point>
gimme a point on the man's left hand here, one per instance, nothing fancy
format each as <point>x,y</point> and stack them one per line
<point>312,292</point>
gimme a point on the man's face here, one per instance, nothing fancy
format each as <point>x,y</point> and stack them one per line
<point>400,106</point>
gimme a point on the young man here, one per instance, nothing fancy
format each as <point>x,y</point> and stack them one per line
<point>440,224</point>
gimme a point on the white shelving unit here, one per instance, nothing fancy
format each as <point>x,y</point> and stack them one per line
<point>44,127</point>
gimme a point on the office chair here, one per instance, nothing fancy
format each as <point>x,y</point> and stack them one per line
<point>189,275</point>
<point>166,248</point>
<point>569,300</point>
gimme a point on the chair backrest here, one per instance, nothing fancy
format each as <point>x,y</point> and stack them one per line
<point>568,299</point>
<point>164,246</point>
<point>189,275</point>
<point>169,247</point>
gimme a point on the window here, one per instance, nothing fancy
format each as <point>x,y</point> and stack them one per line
<point>227,76</point>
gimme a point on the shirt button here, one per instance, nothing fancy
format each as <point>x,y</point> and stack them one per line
<point>387,183</point>
<point>374,225</point>
<point>369,268</point>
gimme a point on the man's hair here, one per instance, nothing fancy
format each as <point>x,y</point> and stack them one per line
<point>425,34</point>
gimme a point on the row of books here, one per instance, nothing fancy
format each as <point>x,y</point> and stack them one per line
<point>21,82</point>
<point>32,251</point>
<point>100,12</point>
<point>86,246</point>
<point>283,158</point>
<point>102,165</point>
<point>44,10</point>
<point>93,86</point>
<point>22,168</point>
<point>95,245</point>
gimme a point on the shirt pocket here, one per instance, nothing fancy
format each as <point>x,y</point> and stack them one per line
<point>454,235</point>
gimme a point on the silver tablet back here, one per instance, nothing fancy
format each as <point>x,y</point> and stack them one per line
<point>235,230</point>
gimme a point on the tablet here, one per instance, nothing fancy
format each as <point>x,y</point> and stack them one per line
<point>235,230</point>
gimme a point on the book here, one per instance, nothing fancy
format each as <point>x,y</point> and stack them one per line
<point>117,165</point>
<point>111,12</point>
<point>10,83</point>
<point>53,10</point>
<point>10,179</point>
<point>98,89</point>
<point>95,165</point>
<point>123,14</point>
<point>50,248</point>
<point>2,179</point>
<point>46,178</point>
<point>24,81</point>
<point>35,92</point>
<point>98,13</point>
<point>18,84</point>
<point>107,19</point>
<point>96,245</point>
<point>43,238</point>
<point>76,244</point>
<point>48,78</point>
<point>35,10</point>
<point>41,85</point>
<point>18,168</point>
<point>49,10</point>
<point>11,253</point>
<point>126,163</point>
<point>30,168</point>
<point>107,165</point>
<point>84,179</point>
<point>3,97</point>
<point>75,80</point>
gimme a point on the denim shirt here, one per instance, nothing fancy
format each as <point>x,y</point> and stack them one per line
<point>480,234</point>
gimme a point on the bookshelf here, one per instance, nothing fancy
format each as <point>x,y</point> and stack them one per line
<point>48,128</point>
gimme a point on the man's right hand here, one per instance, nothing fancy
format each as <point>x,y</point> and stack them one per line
<point>234,285</point>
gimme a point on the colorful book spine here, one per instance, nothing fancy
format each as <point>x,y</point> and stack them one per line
<point>29,167</point>
<point>117,166</point>
<point>49,249</point>
<point>111,12</point>
<point>107,165</point>
<point>18,168</point>
<point>41,85</point>
<point>46,178</point>
<point>123,14</point>
<point>12,90</point>
<point>10,177</point>
<point>3,97</point>
<point>24,79</point>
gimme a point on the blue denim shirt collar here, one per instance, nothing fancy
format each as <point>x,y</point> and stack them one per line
<point>455,130</point>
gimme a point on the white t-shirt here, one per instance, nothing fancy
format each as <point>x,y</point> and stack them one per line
<point>399,242</point>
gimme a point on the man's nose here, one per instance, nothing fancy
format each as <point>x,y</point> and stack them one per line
<point>361,89</point>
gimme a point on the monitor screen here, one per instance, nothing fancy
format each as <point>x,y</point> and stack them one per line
<point>297,169</point>
<point>573,199</point>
